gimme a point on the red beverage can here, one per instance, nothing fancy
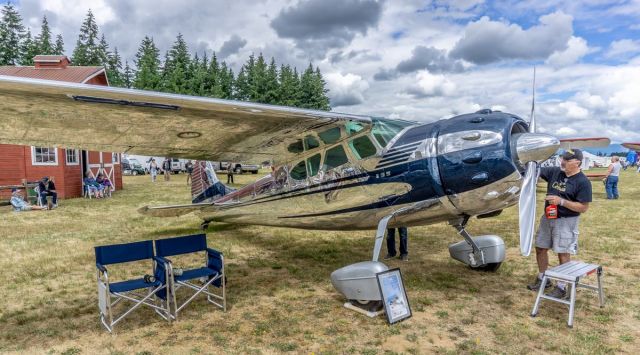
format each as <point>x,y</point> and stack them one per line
<point>551,212</point>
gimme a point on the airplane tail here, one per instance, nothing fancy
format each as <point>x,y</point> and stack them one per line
<point>205,185</point>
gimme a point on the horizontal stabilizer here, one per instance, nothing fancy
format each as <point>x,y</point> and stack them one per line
<point>172,211</point>
<point>596,142</point>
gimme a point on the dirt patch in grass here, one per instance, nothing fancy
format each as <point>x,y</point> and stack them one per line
<point>280,297</point>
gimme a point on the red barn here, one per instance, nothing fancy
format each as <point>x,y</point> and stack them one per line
<point>65,166</point>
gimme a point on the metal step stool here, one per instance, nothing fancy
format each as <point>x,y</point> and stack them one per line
<point>571,273</point>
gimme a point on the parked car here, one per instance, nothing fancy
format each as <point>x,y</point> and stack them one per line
<point>131,166</point>
<point>178,166</point>
<point>238,168</point>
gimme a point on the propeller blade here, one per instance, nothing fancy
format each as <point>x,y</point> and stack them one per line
<point>527,199</point>
<point>528,207</point>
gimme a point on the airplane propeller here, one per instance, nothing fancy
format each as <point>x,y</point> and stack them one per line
<point>531,148</point>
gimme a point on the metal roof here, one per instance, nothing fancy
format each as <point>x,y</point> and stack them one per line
<point>69,74</point>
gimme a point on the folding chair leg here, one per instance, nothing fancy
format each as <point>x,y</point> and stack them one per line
<point>572,305</point>
<point>600,290</point>
<point>534,312</point>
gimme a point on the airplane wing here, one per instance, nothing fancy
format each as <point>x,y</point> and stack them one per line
<point>598,142</point>
<point>632,146</point>
<point>51,113</point>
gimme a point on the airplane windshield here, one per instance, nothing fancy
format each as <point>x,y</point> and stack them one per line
<point>385,129</point>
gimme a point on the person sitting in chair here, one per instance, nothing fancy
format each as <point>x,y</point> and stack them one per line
<point>91,185</point>
<point>48,188</point>
<point>19,204</point>
<point>105,184</point>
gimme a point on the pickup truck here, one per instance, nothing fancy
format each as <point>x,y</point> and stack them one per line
<point>238,168</point>
<point>132,166</point>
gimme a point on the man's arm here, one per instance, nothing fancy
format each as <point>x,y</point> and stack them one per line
<point>580,207</point>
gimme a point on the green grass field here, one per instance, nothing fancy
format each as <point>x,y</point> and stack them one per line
<point>279,294</point>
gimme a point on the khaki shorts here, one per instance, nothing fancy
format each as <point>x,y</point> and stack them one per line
<point>559,234</point>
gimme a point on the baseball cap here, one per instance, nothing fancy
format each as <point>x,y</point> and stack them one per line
<point>14,190</point>
<point>572,154</point>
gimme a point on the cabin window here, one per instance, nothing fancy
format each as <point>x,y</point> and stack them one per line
<point>330,136</point>
<point>310,142</point>
<point>385,129</point>
<point>296,147</point>
<point>44,156</point>
<point>299,172</point>
<point>71,156</point>
<point>313,164</point>
<point>335,157</point>
<point>353,128</point>
<point>362,147</point>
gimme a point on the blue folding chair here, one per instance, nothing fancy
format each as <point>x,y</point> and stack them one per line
<point>211,274</point>
<point>111,293</point>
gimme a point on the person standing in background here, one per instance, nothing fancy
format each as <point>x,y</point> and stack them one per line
<point>611,180</point>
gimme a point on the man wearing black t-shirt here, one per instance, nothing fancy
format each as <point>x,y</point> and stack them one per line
<point>569,190</point>
<point>48,188</point>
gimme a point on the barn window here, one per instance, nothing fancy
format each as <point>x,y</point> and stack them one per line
<point>44,156</point>
<point>115,158</point>
<point>72,156</point>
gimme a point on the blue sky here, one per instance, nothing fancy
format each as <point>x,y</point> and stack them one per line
<point>417,60</point>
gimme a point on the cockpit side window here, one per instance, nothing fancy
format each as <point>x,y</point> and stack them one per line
<point>335,157</point>
<point>353,127</point>
<point>330,136</point>
<point>299,171</point>
<point>385,129</point>
<point>296,147</point>
<point>362,147</point>
<point>313,165</point>
<point>310,142</point>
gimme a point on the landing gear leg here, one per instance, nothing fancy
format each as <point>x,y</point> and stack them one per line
<point>484,252</point>
<point>380,233</point>
<point>476,257</point>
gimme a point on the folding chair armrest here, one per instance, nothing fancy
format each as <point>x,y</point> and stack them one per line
<point>101,267</point>
<point>162,260</point>
<point>213,252</point>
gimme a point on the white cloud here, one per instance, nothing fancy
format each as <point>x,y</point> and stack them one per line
<point>566,131</point>
<point>346,90</point>
<point>428,84</point>
<point>623,48</point>
<point>487,41</point>
<point>576,49</point>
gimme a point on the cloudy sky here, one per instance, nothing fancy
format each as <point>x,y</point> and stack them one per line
<point>417,60</point>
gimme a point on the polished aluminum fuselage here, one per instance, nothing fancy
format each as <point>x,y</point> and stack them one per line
<point>426,174</point>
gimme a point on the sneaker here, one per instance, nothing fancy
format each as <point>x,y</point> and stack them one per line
<point>389,256</point>
<point>535,286</point>
<point>404,257</point>
<point>558,293</point>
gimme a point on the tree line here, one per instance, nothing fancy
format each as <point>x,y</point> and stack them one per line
<point>180,72</point>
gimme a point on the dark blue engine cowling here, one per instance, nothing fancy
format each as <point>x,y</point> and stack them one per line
<point>474,150</point>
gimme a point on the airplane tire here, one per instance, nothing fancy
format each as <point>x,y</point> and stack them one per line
<point>491,267</point>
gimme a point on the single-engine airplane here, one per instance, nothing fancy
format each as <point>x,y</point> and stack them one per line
<point>331,171</point>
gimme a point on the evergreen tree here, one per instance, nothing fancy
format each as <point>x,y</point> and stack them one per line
<point>241,86</point>
<point>271,94</point>
<point>103,52</point>
<point>127,76</point>
<point>176,68</point>
<point>28,49</point>
<point>197,76</point>
<point>88,50</point>
<point>59,47</point>
<point>213,79</point>
<point>44,40</point>
<point>313,94</point>
<point>11,34</point>
<point>289,88</point>
<point>147,62</point>
<point>226,81</point>
<point>321,100</point>
<point>114,69</point>
<point>258,81</point>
